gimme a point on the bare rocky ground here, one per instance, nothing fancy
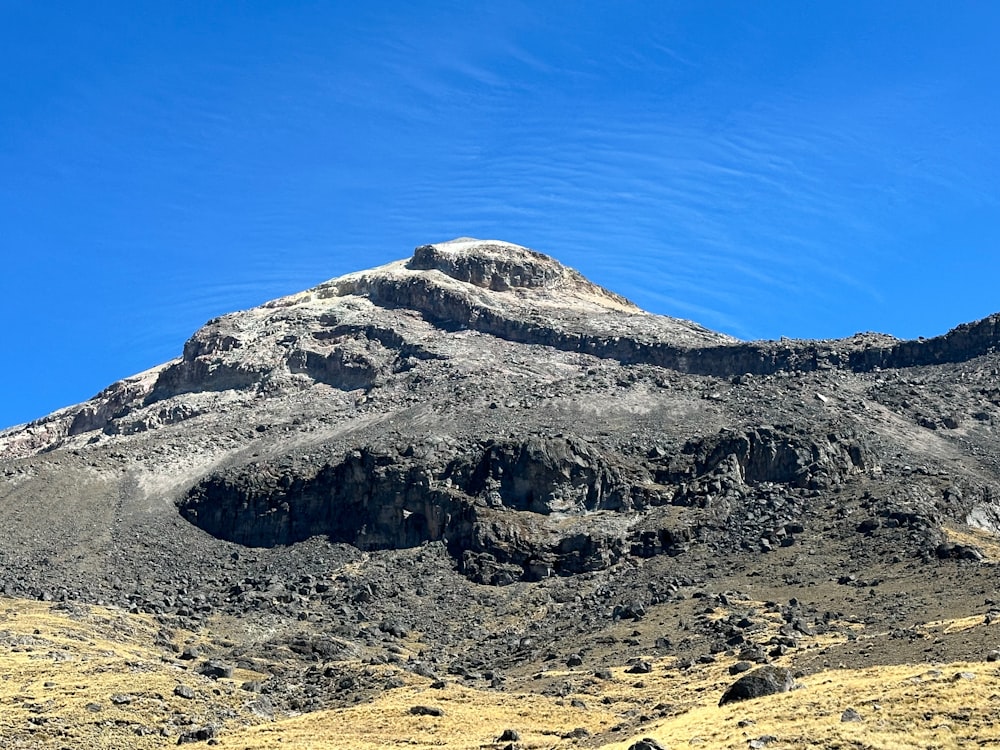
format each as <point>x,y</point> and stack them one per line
<point>475,464</point>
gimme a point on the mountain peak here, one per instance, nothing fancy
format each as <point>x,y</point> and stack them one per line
<point>497,265</point>
<point>471,266</point>
<point>480,305</point>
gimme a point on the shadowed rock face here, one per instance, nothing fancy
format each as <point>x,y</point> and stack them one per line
<point>548,476</point>
<point>366,500</point>
<point>526,505</point>
<point>772,455</point>
<point>393,500</point>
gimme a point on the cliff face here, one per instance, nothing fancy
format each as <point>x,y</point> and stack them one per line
<point>392,499</point>
<point>537,505</point>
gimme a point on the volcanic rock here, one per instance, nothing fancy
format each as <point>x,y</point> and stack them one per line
<point>475,462</point>
<point>767,680</point>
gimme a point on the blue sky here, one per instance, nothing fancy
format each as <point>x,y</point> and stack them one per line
<point>806,169</point>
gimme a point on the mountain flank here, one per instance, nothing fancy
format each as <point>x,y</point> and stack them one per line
<point>474,468</point>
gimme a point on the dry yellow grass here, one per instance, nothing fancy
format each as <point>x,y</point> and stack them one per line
<point>472,719</point>
<point>60,668</point>
<point>922,706</point>
<point>55,663</point>
<point>987,543</point>
<point>919,706</point>
<point>913,706</point>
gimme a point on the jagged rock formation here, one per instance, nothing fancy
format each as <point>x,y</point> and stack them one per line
<point>450,441</point>
<point>390,500</point>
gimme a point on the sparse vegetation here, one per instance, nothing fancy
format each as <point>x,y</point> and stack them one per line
<point>82,675</point>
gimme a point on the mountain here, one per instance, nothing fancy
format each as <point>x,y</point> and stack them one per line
<point>473,475</point>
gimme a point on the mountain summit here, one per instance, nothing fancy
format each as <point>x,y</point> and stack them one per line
<point>358,330</point>
<point>475,462</point>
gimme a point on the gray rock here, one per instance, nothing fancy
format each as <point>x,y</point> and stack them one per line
<point>216,670</point>
<point>203,734</point>
<point>950,551</point>
<point>393,628</point>
<point>646,743</point>
<point>740,667</point>
<point>426,711</point>
<point>640,666</point>
<point>766,680</point>
<point>850,715</point>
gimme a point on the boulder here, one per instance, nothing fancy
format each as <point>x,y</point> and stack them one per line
<point>646,743</point>
<point>766,680</point>
<point>216,670</point>
<point>850,715</point>
<point>426,711</point>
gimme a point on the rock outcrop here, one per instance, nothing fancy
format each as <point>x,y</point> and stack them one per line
<point>489,506</point>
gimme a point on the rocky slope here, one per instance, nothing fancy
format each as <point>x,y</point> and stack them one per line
<point>480,448</point>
